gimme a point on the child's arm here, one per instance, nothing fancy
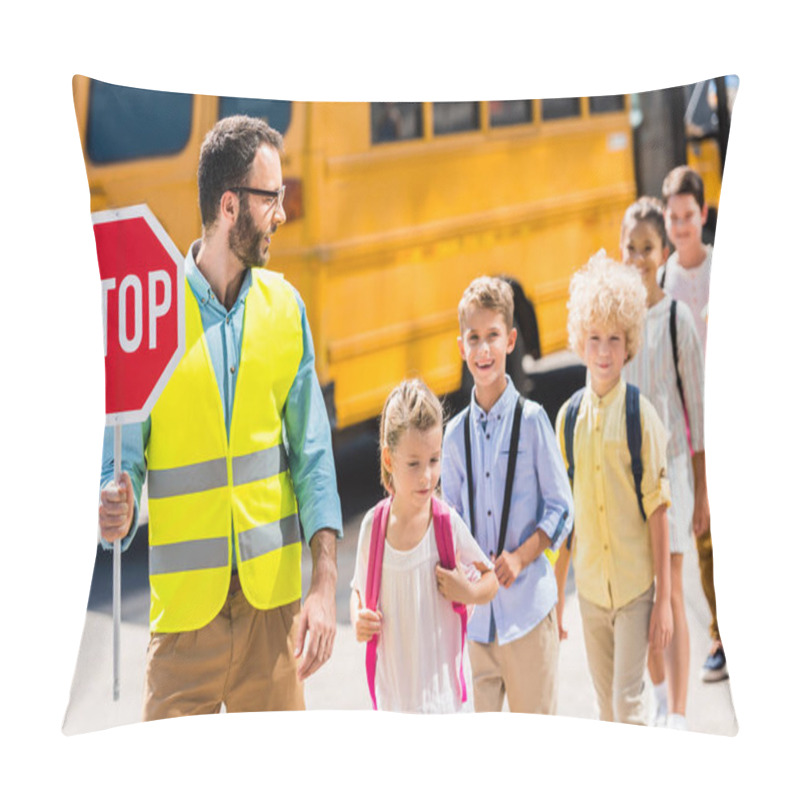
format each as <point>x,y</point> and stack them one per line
<point>366,623</point>
<point>656,500</point>
<point>701,518</point>
<point>454,585</point>
<point>509,564</point>
<point>690,366</point>
<point>661,617</point>
<point>561,571</point>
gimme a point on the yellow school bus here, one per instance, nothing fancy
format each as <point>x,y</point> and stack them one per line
<point>707,122</point>
<point>392,208</point>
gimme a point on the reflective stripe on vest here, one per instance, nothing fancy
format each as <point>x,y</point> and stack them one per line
<point>213,474</point>
<point>200,484</point>
<point>209,553</point>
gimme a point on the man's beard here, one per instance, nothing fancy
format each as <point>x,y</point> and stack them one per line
<point>246,242</point>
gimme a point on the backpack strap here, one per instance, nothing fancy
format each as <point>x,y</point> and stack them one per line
<point>468,458</point>
<point>673,335</point>
<point>380,521</point>
<point>570,418</point>
<point>633,425</point>
<point>443,529</point>
<point>512,466</point>
<point>569,431</point>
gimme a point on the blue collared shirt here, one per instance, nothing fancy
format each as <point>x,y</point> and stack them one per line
<point>305,418</point>
<point>540,498</point>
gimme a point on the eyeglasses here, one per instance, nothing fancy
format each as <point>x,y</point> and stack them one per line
<point>277,197</point>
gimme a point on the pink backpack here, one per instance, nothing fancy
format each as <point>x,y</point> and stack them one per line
<point>444,544</point>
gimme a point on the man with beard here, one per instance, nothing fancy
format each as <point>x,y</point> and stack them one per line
<point>237,453</point>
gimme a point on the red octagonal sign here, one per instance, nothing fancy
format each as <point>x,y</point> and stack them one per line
<point>141,274</point>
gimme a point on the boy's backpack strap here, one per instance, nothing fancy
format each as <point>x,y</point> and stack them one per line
<point>512,466</point>
<point>443,530</point>
<point>570,418</point>
<point>380,521</point>
<point>673,335</point>
<point>633,425</point>
<point>468,459</point>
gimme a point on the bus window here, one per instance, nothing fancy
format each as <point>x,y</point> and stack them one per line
<point>510,112</point>
<point>561,107</point>
<point>393,122</point>
<point>455,118</point>
<point>607,103</point>
<point>277,113</point>
<point>126,123</point>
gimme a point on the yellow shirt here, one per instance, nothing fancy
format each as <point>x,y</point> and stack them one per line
<point>612,551</point>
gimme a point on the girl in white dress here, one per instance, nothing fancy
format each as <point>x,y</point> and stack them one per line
<point>420,654</point>
<point>677,395</point>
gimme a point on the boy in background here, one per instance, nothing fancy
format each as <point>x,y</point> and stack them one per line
<point>686,276</point>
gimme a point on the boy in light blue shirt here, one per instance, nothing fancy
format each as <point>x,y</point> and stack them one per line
<point>513,641</point>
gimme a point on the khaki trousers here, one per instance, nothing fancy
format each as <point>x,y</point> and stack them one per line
<point>616,648</point>
<point>243,658</point>
<point>705,558</point>
<point>526,669</point>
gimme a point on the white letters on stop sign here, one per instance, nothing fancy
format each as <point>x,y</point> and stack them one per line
<point>157,309</point>
<point>130,288</point>
<point>130,282</point>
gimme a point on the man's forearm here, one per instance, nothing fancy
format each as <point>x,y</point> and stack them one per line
<point>324,572</point>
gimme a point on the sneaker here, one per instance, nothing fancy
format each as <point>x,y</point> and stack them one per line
<point>676,722</point>
<point>716,667</point>
<point>658,709</point>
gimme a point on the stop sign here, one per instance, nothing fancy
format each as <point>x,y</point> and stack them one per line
<point>141,275</point>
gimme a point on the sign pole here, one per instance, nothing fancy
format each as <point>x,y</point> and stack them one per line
<point>116,601</point>
<point>142,282</point>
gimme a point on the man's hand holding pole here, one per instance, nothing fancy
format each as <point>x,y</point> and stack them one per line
<point>116,508</point>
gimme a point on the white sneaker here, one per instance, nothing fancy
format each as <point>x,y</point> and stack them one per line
<point>676,721</point>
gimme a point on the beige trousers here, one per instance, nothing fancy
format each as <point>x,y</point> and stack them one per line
<point>243,658</point>
<point>525,669</point>
<point>616,649</point>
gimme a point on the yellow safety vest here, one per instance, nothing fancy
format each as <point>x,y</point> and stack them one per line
<point>200,483</point>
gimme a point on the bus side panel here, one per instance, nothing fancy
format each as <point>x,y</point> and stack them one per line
<point>405,231</point>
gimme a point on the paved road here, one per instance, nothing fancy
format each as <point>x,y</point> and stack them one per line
<point>341,683</point>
